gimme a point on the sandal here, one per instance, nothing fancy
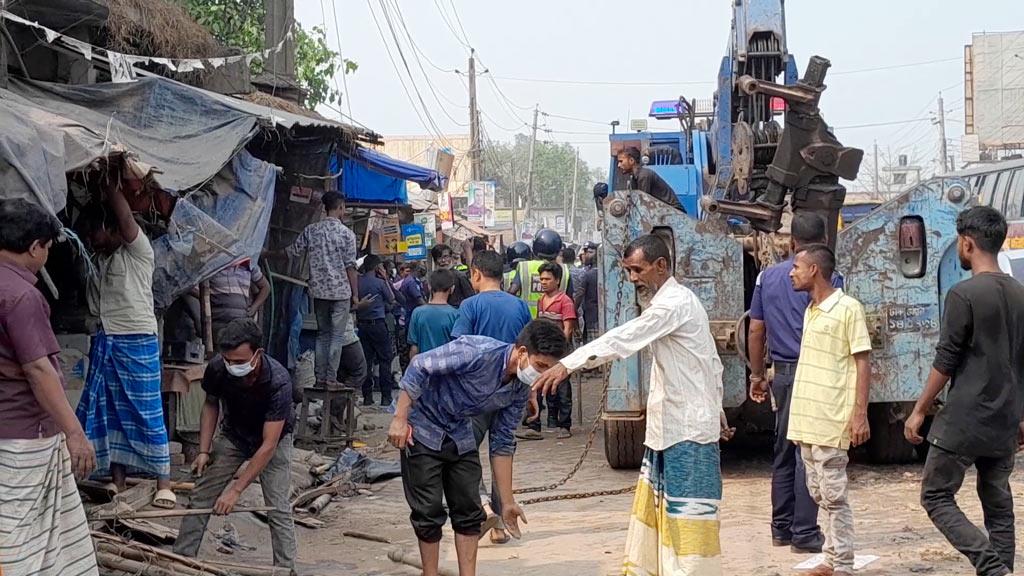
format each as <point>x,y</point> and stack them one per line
<point>489,524</point>
<point>502,539</point>
<point>165,499</point>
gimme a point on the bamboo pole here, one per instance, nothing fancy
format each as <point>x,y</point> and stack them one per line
<point>132,514</point>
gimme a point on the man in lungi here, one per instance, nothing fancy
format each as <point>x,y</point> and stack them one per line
<point>121,409</point>
<point>441,393</point>
<point>44,531</point>
<point>674,525</point>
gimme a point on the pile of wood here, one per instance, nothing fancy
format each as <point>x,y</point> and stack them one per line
<point>119,557</point>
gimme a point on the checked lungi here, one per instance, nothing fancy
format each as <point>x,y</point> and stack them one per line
<point>43,531</point>
<point>121,410</point>
<point>673,529</point>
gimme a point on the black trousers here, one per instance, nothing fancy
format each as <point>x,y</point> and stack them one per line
<point>352,370</point>
<point>378,350</point>
<point>431,478</point>
<point>794,513</point>
<point>560,406</point>
<point>942,478</point>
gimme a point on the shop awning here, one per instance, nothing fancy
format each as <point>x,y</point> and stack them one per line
<point>384,164</point>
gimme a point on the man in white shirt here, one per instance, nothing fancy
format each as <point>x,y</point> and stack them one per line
<point>674,524</point>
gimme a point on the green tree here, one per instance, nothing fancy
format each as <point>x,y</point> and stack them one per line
<point>239,24</point>
<point>506,163</point>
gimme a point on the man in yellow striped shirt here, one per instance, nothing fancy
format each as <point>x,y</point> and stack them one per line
<point>829,408</point>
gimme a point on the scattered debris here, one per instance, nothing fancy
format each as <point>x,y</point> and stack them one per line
<point>229,540</point>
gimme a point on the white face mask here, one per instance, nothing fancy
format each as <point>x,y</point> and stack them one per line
<point>527,375</point>
<point>242,370</point>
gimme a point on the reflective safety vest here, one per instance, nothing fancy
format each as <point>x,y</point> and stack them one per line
<point>529,283</point>
<point>462,268</point>
<point>507,278</point>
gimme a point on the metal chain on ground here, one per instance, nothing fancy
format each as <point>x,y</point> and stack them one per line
<point>597,419</point>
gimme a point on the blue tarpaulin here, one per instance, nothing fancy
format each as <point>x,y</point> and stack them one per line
<point>372,176</point>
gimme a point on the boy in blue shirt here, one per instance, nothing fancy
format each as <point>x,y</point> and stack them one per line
<point>431,324</point>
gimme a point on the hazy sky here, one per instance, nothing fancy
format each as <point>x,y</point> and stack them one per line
<point>676,49</point>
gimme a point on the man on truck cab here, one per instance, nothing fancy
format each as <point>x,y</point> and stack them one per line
<point>642,178</point>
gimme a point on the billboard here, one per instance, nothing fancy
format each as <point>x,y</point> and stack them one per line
<point>994,89</point>
<point>480,203</point>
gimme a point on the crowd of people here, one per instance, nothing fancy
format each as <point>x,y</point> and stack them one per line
<point>488,345</point>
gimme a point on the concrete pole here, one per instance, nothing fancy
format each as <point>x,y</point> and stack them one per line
<point>529,165</point>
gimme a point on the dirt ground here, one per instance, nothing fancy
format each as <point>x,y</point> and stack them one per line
<point>585,537</point>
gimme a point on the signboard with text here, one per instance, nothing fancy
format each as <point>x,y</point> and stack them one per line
<point>412,237</point>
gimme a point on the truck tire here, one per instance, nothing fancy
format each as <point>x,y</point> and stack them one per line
<point>887,444</point>
<point>624,443</point>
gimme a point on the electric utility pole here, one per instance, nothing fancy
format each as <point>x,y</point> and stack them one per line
<point>529,164</point>
<point>474,122</point>
<point>943,153</point>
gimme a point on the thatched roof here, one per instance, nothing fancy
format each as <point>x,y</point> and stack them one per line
<point>264,99</point>
<point>158,28</point>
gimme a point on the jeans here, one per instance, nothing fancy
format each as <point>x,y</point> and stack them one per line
<point>941,479</point>
<point>332,316</point>
<point>827,483</point>
<point>794,513</point>
<point>560,406</point>
<point>275,480</point>
<point>378,350</point>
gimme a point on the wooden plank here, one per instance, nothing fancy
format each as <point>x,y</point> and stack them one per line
<point>122,514</point>
<point>158,532</point>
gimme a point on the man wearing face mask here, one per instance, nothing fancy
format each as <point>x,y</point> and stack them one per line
<point>441,393</point>
<point>680,482</point>
<point>255,393</point>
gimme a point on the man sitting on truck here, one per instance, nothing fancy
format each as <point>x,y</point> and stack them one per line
<point>642,178</point>
<point>680,483</point>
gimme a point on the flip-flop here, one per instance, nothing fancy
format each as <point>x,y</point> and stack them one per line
<point>165,499</point>
<point>489,524</point>
<point>500,540</point>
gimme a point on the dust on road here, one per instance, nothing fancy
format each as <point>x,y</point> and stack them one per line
<point>585,537</point>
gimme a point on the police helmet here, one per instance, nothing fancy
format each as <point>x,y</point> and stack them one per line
<point>547,244</point>
<point>517,251</point>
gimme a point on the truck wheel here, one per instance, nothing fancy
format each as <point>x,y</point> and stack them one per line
<point>624,443</point>
<point>887,444</point>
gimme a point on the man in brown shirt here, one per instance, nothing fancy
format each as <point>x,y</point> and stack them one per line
<point>41,441</point>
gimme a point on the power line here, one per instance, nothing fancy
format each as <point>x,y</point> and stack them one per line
<point>416,47</point>
<point>704,83</point>
<point>909,121</point>
<point>398,73</point>
<point>444,16</point>
<point>895,66</point>
<point>458,20</point>
<point>405,64</point>
<point>344,65</point>
<point>430,85</point>
<point>574,119</point>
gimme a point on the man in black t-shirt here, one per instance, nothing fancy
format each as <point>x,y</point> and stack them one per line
<point>642,178</point>
<point>981,348</point>
<point>442,257</point>
<point>255,393</point>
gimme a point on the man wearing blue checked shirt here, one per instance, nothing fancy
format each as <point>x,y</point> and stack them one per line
<point>441,392</point>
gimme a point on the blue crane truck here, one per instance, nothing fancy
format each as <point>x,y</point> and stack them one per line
<point>739,174</point>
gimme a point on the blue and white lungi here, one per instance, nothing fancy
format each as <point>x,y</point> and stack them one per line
<point>121,409</point>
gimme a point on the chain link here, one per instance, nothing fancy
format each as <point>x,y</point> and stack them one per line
<point>600,412</point>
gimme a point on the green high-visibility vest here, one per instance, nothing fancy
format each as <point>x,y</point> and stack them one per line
<point>529,283</point>
<point>508,278</point>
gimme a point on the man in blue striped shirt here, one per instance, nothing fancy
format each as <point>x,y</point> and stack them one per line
<point>441,392</point>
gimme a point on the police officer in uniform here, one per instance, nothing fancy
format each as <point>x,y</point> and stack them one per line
<point>547,245</point>
<point>514,254</point>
